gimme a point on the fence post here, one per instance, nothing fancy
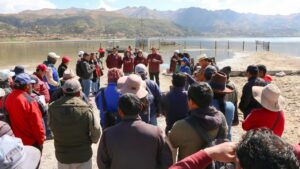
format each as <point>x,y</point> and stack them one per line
<point>243,45</point>
<point>228,46</point>
<point>256,46</point>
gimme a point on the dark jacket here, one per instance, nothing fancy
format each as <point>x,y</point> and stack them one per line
<point>247,100</point>
<point>154,66</point>
<point>87,70</point>
<point>75,126</point>
<point>154,89</point>
<point>114,61</point>
<point>133,144</point>
<point>138,60</point>
<point>61,69</point>
<point>128,64</point>
<point>174,106</point>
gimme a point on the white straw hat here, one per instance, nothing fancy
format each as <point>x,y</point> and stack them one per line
<point>269,97</point>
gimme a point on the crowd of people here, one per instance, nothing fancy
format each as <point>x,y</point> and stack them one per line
<point>199,109</point>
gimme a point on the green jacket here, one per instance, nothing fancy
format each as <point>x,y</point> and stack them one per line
<point>75,127</point>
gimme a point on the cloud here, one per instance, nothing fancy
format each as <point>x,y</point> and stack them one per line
<point>15,6</point>
<point>106,4</point>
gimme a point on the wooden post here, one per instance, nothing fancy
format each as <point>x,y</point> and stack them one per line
<point>215,45</point>
<point>185,44</point>
<point>158,44</point>
<point>256,46</point>
<point>243,45</point>
<point>200,45</point>
<point>228,47</point>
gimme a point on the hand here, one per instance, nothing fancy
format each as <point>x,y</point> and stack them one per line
<point>154,60</point>
<point>224,152</point>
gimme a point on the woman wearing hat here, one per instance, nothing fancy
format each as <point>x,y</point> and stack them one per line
<point>218,84</point>
<point>271,114</point>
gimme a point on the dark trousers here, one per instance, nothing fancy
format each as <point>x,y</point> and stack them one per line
<point>156,76</point>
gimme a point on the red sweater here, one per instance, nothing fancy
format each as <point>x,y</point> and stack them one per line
<point>128,64</point>
<point>262,117</point>
<point>138,60</point>
<point>114,61</point>
<point>42,88</point>
<point>154,66</point>
<point>25,117</point>
<point>199,160</point>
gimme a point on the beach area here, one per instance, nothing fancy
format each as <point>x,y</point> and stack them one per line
<point>289,86</point>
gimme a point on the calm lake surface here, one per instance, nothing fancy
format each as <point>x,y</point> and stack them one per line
<point>29,54</point>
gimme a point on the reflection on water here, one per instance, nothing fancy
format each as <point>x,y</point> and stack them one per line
<point>31,54</point>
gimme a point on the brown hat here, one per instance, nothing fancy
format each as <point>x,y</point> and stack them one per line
<point>218,83</point>
<point>269,97</point>
<point>135,85</point>
<point>71,86</point>
<point>69,74</point>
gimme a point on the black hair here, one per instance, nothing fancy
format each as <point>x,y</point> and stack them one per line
<point>221,101</point>
<point>178,79</point>
<point>201,94</point>
<point>19,86</point>
<point>51,60</point>
<point>262,68</point>
<point>130,104</point>
<point>261,149</point>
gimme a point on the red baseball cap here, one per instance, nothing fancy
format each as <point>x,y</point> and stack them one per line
<point>66,59</point>
<point>41,67</point>
<point>101,50</point>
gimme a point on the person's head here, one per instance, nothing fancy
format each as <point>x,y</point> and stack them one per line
<point>262,71</point>
<point>69,74</point>
<point>113,75</point>
<point>6,78</point>
<point>127,53</point>
<point>24,82</point>
<point>178,79</point>
<point>136,50</point>
<point>209,71</point>
<point>135,85</point>
<point>227,71</point>
<point>140,53</point>
<point>13,154</point>
<point>261,149</point>
<point>86,56</point>
<point>80,53</point>
<point>52,57</point>
<point>176,52</point>
<point>154,50</point>
<point>114,51</point>
<point>66,60</point>
<point>200,95</point>
<point>184,61</point>
<point>72,87</point>
<point>18,70</point>
<point>41,70</point>
<point>218,84</point>
<point>252,71</point>
<point>204,61</point>
<point>141,70</point>
<point>129,105</point>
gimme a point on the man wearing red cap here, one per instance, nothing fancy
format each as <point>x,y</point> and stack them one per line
<point>63,66</point>
<point>41,87</point>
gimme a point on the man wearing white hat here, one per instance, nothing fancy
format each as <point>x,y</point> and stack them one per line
<point>6,80</point>
<point>271,114</point>
<point>52,77</point>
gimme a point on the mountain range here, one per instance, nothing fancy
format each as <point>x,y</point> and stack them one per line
<point>141,21</point>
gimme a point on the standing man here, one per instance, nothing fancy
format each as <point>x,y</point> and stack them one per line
<point>52,77</point>
<point>128,63</point>
<point>139,58</point>
<point>248,103</point>
<point>42,87</point>
<point>154,61</point>
<point>63,66</point>
<point>24,113</point>
<point>75,127</point>
<point>173,62</point>
<point>114,60</point>
<point>133,143</point>
<point>87,74</point>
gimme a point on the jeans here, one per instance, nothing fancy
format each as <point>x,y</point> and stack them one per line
<point>46,127</point>
<point>229,118</point>
<point>95,86</point>
<point>86,83</point>
<point>156,76</point>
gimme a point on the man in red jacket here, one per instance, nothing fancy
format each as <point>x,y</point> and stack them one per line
<point>24,114</point>
<point>42,87</point>
<point>114,60</point>
<point>154,61</point>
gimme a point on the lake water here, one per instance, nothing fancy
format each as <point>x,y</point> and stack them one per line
<point>30,54</point>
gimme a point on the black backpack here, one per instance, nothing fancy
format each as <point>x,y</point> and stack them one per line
<point>78,68</point>
<point>209,142</point>
<point>3,113</point>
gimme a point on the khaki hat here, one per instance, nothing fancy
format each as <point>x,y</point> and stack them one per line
<point>53,55</point>
<point>203,57</point>
<point>269,97</point>
<point>69,74</point>
<point>71,86</point>
<point>121,82</point>
<point>135,85</point>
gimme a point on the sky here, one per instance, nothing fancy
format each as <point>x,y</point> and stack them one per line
<point>265,7</point>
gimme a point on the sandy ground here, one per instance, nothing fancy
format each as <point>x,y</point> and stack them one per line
<point>289,85</point>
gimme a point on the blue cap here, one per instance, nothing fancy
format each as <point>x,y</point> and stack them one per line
<point>18,70</point>
<point>23,79</point>
<point>184,59</point>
